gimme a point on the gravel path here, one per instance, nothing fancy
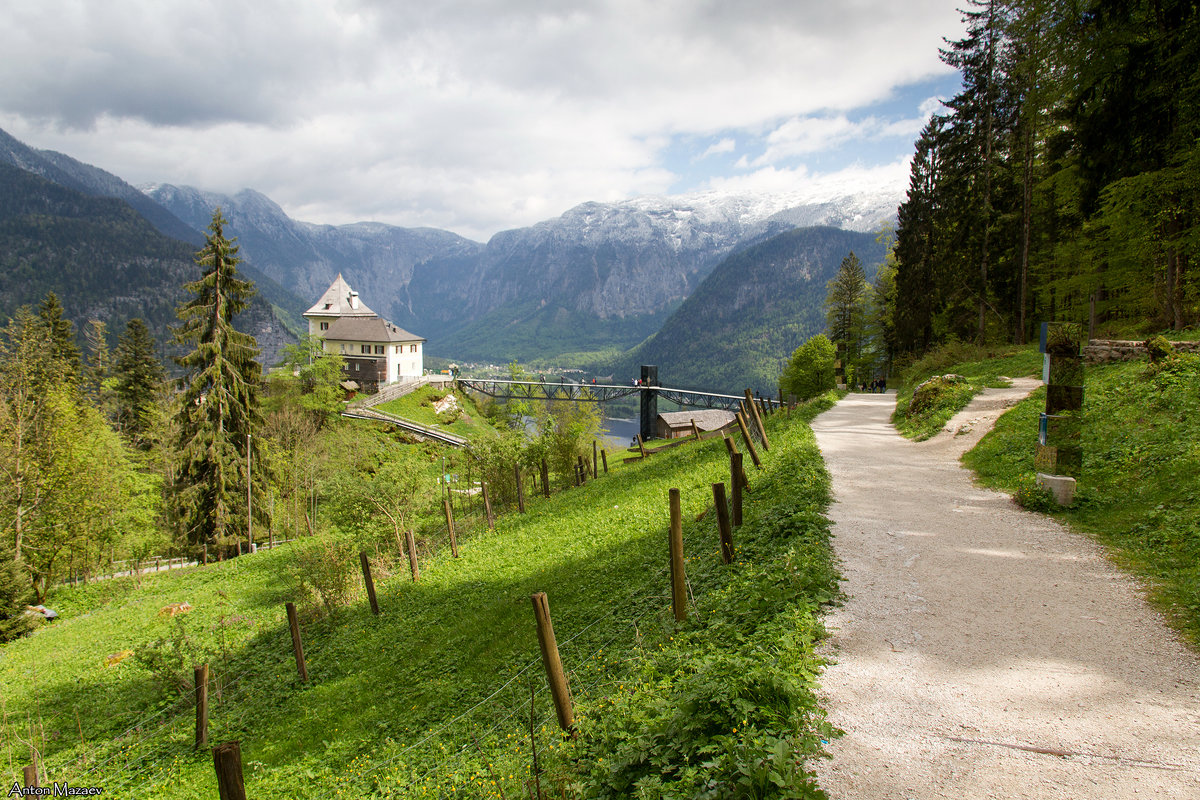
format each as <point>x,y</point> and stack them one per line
<point>985,651</point>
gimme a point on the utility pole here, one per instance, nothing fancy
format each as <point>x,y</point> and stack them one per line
<point>249,510</point>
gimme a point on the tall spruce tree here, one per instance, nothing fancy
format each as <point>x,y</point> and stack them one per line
<point>62,337</point>
<point>918,245</point>
<point>138,376</point>
<point>218,407</point>
<point>846,311</point>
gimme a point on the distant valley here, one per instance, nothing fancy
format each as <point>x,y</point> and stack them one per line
<point>602,285</point>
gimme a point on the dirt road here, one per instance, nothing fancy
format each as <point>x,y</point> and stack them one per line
<point>985,651</point>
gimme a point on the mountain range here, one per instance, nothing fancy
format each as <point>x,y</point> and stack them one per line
<point>602,283</point>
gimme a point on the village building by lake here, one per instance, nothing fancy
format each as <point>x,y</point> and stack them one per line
<point>376,351</point>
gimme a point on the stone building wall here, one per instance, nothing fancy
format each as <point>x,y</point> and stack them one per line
<point>1104,351</point>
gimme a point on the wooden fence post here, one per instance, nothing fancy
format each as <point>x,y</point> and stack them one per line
<point>604,458</point>
<point>201,678</point>
<point>583,470</point>
<point>411,544</point>
<point>723,527</point>
<point>736,474</point>
<point>559,690</point>
<point>520,490</point>
<point>675,542</point>
<point>641,445</point>
<point>227,760</point>
<point>297,645</point>
<point>732,448</point>
<point>487,508</point>
<point>450,526</point>
<point>695,430</point>
<point>595,460</point>
<point>29,775</point>
<point>545,478</point>
<point>762,432</point>
<point>741,421</point>
<point>366,569</point>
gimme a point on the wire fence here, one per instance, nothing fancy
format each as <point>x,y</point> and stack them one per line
<point>141,752</point>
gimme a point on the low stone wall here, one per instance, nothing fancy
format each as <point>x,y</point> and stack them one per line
<point>1104,351</point>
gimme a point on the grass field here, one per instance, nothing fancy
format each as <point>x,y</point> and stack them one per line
<point>433,697</point>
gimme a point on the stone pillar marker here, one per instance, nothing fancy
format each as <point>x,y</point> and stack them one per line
<point>1058,458</point>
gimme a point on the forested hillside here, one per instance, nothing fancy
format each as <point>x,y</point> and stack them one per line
<point>1067,169</point>
<point>102,259</point>
<point>755,308</point>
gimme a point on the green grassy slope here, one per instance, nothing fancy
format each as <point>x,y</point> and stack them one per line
<point>981,367</point>
<point>418,407</point>
<point>1140,490</point>
<point>432,698</point>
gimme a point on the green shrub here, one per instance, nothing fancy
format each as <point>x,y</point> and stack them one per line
<point>810,371</point>
<point>170,659</point>
<point>322,572</point>
<point>931,393</point>
<point>1031,495</point>
<point>16,592</point>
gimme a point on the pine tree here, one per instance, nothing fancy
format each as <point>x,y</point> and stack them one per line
<point>917,297</point>
<point>138,376</point>
<point>219,403</point>
<point>974,148</point>
<point>846,309</point>
<point>99,363</point>
<point>62,337</point>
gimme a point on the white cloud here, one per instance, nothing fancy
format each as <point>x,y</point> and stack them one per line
<point>726,145</point>
<point>819,187</point>
<point>471,114</point>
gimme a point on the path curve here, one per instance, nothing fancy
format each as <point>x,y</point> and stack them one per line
<point>985,651</point>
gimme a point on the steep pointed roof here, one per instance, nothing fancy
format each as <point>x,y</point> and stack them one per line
<point>371,329</point>
<point>337,302</point>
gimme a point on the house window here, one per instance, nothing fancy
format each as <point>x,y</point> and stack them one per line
<point>343,348</point>
<point>378,349</point>
<point>356,366</point>
<point>412,348</point>
<point>366,349</point>
<point>324,326</point>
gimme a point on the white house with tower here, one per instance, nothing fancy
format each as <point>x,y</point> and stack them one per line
<point>376,351</point>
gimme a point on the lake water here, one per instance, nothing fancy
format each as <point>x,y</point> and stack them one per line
<point>620,431</point>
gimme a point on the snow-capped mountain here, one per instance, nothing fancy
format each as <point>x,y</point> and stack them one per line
<point>599,275</point>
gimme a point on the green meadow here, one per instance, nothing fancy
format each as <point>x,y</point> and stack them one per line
<point>443,694</point>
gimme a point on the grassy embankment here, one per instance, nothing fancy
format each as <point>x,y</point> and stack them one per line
<point>979,367</point>
<point>1140,489</point>
<point>432,698</point>
<point>418,407</point>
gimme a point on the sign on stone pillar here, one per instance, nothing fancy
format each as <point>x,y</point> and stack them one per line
<point>1059,451</point>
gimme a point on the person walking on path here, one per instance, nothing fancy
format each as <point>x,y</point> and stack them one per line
<point>985,651</point>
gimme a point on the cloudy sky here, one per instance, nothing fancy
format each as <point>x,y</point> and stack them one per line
<point>477,115</point>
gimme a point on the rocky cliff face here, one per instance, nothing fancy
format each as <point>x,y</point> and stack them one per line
<point>617,269</point>
<point>376,259</point>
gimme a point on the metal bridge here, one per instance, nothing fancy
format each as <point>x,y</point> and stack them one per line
<point>648,391</point>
